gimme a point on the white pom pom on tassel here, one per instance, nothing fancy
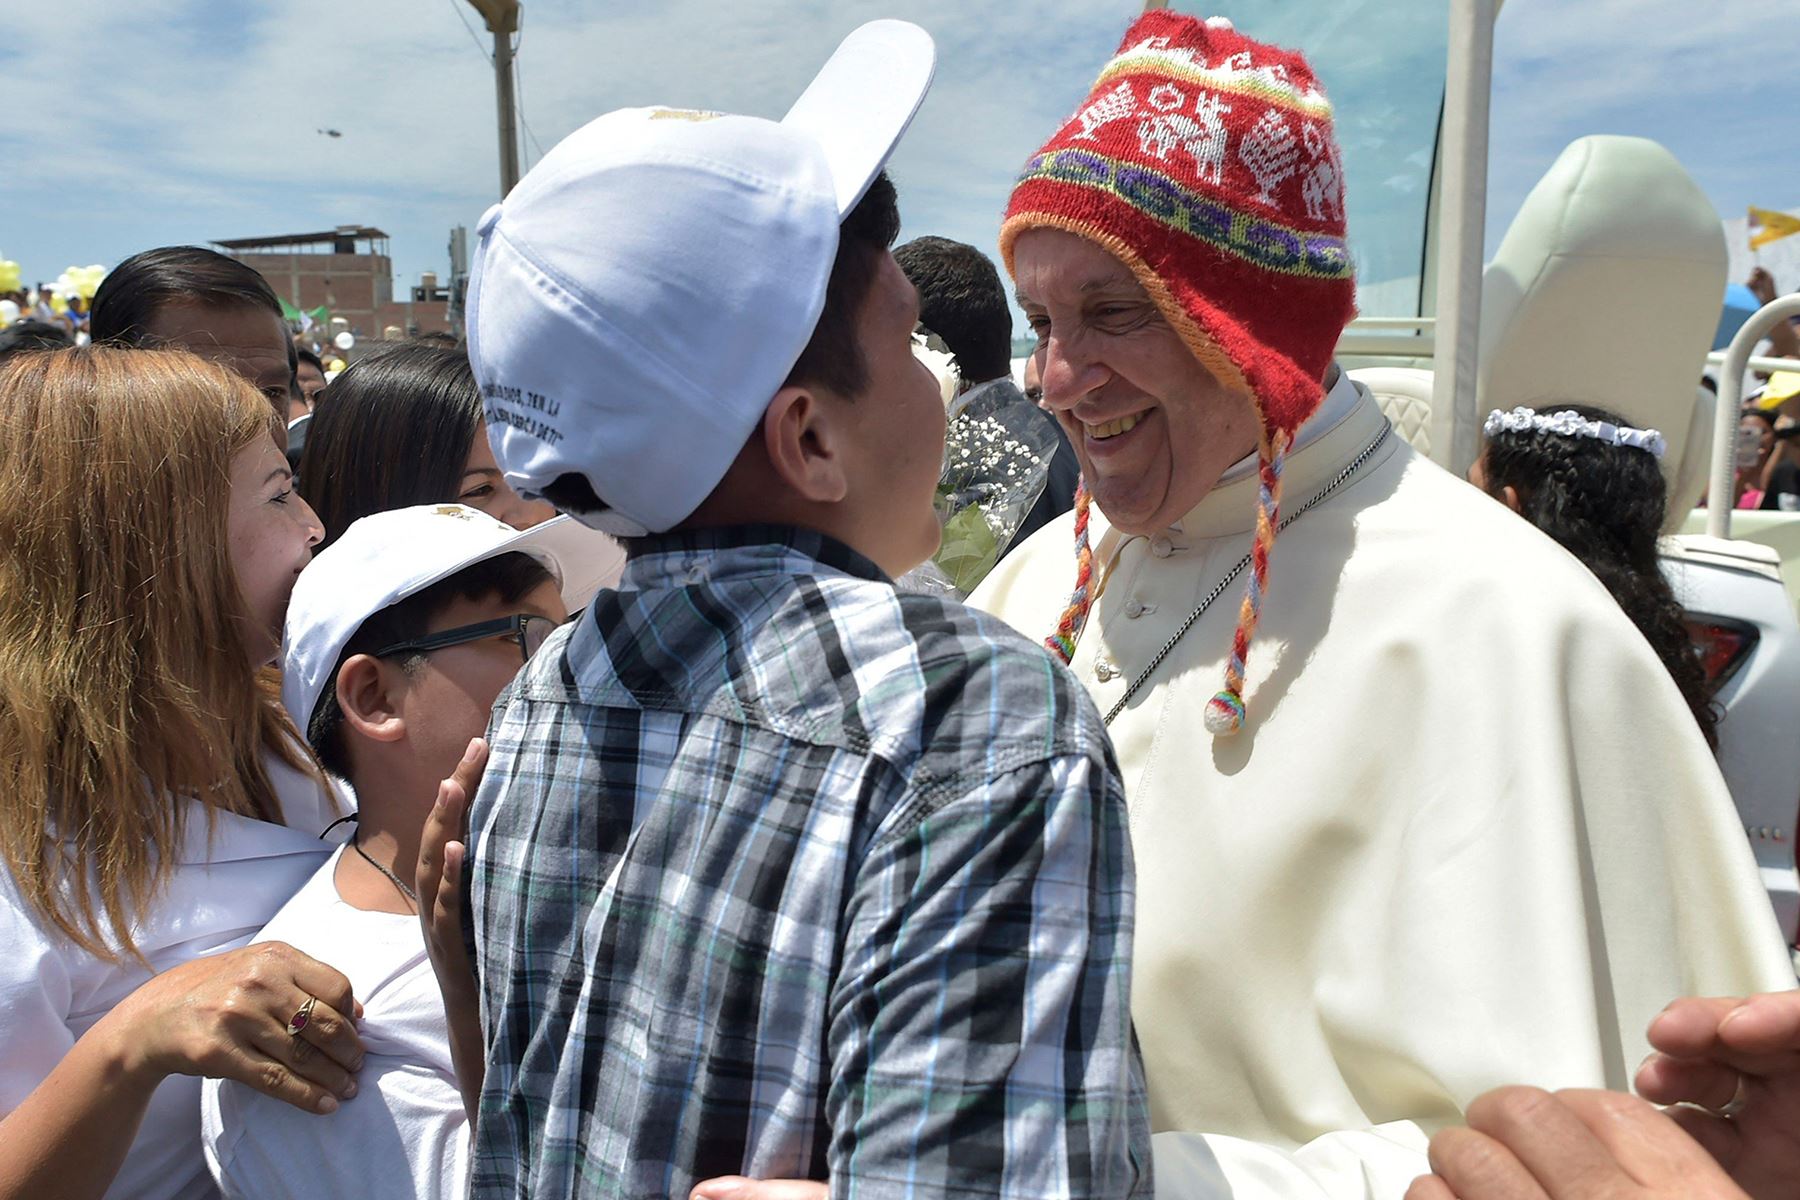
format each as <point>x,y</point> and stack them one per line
<point>1224,715</point>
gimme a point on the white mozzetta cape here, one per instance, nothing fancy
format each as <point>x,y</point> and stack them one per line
<point>1469,836</point>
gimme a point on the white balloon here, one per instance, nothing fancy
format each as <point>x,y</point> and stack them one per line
<point>9,312</point>
<point>344,340</point>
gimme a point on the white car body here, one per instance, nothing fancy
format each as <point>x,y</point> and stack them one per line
<point>1740,583</point>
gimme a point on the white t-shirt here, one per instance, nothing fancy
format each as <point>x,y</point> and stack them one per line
<point>218,896</point>
<point>404,1134</point>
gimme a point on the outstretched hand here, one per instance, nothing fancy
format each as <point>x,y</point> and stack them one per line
<point>439,882</point>
<point>1714,1052</point>
<point>1761,285</point>
<point>1524,1143</point>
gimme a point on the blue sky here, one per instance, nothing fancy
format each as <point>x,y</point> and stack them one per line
<point>160,121</point>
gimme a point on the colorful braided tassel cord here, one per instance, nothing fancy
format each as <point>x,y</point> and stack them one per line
<point>1068,628</point>
<point>1225,711</point>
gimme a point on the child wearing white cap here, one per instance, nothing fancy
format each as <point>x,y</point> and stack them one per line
<point>774,870</point>
<point>399,636</point>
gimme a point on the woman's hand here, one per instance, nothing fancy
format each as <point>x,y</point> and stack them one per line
<point>226,1016</point>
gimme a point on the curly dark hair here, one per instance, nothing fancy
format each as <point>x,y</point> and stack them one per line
<point>1604,504</point>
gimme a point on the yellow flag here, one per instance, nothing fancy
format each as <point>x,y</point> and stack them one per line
<point>1767,226</point>
<point>1782,387</point>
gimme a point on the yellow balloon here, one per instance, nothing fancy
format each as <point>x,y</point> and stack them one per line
<point>57,303</point>
<point>87,279</point>
<point>336,364</point>
<point>10,278</point>
<point>81,281</point>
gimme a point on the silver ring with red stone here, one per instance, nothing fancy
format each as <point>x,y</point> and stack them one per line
<point>298,1021</point>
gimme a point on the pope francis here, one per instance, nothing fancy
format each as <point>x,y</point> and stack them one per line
<point>1416,811</point>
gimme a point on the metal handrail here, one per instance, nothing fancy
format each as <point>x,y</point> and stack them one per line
<point>1721,495</point>
<point>1757,362</point>
<point>1377,343</point>
<point>1425,324</point>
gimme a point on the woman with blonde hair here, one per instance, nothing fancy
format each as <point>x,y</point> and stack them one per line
<point>156,806</point>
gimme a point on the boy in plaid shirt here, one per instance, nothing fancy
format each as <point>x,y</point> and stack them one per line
<point>775,870</point>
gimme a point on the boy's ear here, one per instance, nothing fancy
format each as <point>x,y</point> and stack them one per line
<point>367,694</point>
<point>1509,496</point>
<point>804,437</point>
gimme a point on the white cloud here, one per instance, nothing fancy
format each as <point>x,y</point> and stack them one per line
<point>1705,80</point>
<point>162,120</point>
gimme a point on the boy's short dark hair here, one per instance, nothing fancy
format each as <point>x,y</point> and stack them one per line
<point>833,358</point>
<point>961,300</point>
<point>508,576</point>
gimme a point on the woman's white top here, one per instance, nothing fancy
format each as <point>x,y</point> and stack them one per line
<point>220,893</point>
<point>404,1135</point>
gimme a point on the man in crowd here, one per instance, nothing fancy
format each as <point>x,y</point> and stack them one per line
<point>774,870</point>
<point>1784,337</point>
<point>962,301</point>
<point>1416,811</point>
<point>309,375</point>
<point>194,299</point>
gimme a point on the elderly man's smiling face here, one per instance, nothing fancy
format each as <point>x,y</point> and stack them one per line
<point>1153,429</point>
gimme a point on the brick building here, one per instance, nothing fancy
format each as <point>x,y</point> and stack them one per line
<point>347,270</point>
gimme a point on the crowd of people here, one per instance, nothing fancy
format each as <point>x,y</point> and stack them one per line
<point>527,779</point>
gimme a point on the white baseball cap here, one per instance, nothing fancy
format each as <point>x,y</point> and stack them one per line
<point>384,558</point>
<point>641,295</point>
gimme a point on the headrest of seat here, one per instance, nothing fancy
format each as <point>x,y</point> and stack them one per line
<point>1606,291</point>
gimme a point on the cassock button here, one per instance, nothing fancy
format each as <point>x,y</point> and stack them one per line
<point>1134,608</point>
<point>1104,670</point>
<point>1161,546</point>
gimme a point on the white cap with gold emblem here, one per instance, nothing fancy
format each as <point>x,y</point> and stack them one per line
<point>384,558</point>
<point>641,295</point>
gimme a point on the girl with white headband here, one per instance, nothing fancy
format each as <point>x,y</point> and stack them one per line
<point>1594,484</point>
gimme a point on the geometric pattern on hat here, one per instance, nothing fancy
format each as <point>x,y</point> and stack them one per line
<point>1205,162</point>
<point>1263,242</point>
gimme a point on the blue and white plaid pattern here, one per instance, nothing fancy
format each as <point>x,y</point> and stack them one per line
<point>779,872</point>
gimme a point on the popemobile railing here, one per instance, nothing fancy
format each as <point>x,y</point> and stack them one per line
<point>1721,490</point>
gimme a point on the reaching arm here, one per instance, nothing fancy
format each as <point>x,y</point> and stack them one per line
<point>224,1017</point>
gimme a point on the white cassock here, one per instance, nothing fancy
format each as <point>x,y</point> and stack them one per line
<point>1469,836</point>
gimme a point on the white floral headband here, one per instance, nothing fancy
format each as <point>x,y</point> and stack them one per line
<point>1573,424</point>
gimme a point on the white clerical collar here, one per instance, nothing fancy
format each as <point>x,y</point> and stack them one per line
<point>1337,403</point>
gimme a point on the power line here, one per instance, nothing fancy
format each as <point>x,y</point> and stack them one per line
<point>519,83</point>
<point>457,8</point>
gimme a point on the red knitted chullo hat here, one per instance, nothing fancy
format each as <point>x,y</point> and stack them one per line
<point>1205,162</point>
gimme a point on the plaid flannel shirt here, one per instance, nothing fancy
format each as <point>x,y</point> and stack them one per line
<point>779,872</point>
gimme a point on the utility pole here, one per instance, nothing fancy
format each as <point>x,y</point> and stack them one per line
<point>502,19</point>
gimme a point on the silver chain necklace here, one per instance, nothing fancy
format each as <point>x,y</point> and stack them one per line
<point>1318,498</point>
<point>356,845</point>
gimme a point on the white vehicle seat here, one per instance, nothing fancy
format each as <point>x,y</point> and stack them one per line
<point>1606,291</point>
<point>1404,394</point>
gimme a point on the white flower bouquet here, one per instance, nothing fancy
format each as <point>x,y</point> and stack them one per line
<point>997,453</point>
